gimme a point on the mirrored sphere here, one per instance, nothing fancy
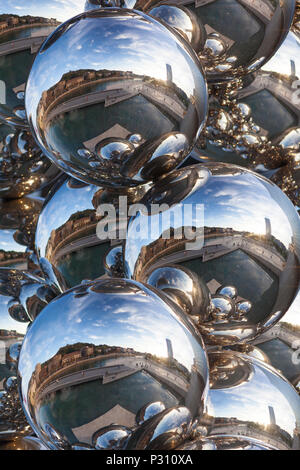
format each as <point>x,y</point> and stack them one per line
<point>17,226</point>
<point>118,81</point>
<point>227,291</point>
<point>114,262</point>
<point>274,88</point>
<point>250,399</point>
<point>68,232</point>
<point>229,51</point>
<point>232,228</point>
<point>112,437</point>
<point>148,411</point>
<point>123,345</point>
<point>184,288</point>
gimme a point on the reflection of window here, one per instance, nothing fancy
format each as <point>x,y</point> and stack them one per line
<point>263,100</point>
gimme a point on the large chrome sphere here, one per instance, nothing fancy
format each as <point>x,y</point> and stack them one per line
<point>115,346</point>
<point>126,74</point>
<point>23,167</point>
<point>17,227</point>
<point>250,399</point>
<point>231,227</point>
<point>67,230</point>
<point>226,51</point>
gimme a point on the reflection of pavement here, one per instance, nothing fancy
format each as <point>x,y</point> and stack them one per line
<point>247,431</point>
<point>116,93</point>
<point>117,414</point>
<point>116,371</point>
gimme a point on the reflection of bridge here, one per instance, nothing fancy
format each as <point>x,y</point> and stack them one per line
<point>243,430</point>
<point>116,93</point>
<point>33,43</point>
<point>117,369</point>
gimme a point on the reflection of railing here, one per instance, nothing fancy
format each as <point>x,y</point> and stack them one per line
<point>281,332</point>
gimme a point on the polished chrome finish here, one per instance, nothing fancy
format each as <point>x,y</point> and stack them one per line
<point>227,291</point>
<point>12,355</point>
<point>148,411</point>
<point>114,262</point>
<point>118,81</point>
<point>250,399</point>
<point>226,443</point>
<point>251,351</point>
<point>112,437</point>
<point>18,220</point>
<point>259,29</point>
<point>23,167</point>
<point>23,443</point>
<point>115,345</point>
<point>250,241</point>
<point>184,287</point>
<point>66,239</point>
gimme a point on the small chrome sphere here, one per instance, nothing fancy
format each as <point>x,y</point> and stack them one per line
<point>114,262</point>
<point>183,287</point>
<point>227,291</point>
<point>252,400</point>
<point>112,437</point>
<point>123,345</point>
<point>118,81</point>
<point>222,307</point>
<point>221,222</point>
<point>148,411</point>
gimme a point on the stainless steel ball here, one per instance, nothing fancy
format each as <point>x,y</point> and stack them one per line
<point>114,345</point>
<point>222,222</point>
<point>250,399</point>
<point>67,231</point>
<point>118,81</point>
<point>274,87</point>
<point>229,51</point>
<point>184,288</point>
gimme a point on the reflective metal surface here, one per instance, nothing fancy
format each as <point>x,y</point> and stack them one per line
<point>226,443</point>
<point>18,220</point>
<point>259,28</point>
<point>118,81</point>
<point>66,233</point>
<point>183,287</point>
<point>23,167</point>
<point>249,399</point>
<point>116,346</point>
<point>23,443</point>
<point>245,234</point>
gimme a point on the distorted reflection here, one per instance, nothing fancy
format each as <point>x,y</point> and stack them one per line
<point>67,237</point>
<point>249,399</point>
<point>104,349</point>
<point>253,248</point>
<point>18,220</point>
<point>259,28</point>
<point>117,81</point>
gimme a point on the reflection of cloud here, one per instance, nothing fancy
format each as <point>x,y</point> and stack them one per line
<point>59,9</point>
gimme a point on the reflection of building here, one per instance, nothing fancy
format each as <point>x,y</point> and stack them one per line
<point>170,349</point>
<point>268,228</point>
<point>272,416</point>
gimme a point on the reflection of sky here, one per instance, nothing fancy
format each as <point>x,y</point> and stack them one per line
<point>281,61</point>
<point>62,205</point>
<point>251,400</point>
<point>125,43</point>
<point>61,10</point>
<point>293,314</point>
<point>132,319</point>
<point>7,242</point>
